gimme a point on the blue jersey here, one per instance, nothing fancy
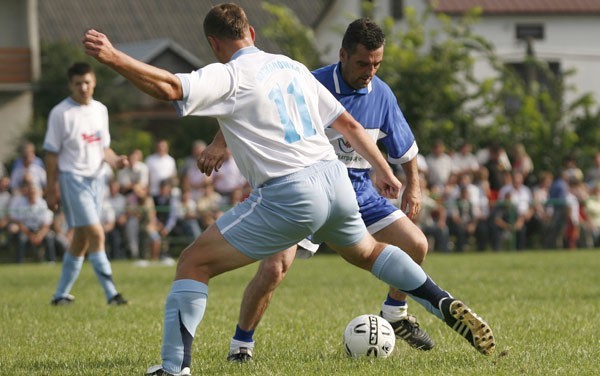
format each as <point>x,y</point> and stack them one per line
<point>376,108</point>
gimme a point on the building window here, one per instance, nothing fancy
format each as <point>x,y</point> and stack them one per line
<point>529,31</point>
<point>528,74</point>
<point>397,10</point>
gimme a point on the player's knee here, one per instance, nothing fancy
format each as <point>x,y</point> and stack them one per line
<point>273,272</point>
<point>420,249</point>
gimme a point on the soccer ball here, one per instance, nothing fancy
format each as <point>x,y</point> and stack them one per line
<point>369,335</point>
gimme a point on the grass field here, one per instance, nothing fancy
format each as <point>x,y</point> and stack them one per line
<point>543,307</point>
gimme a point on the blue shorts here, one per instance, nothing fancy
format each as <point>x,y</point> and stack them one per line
<point>376,211</point>
<point>317,200</point>
<point>81,199</point>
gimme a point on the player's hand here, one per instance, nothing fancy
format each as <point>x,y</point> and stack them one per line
<point>388,185</point>
<point>122,162</point>
<point>52,201</point>
<point>211,159</point>
<point>411,200</point>
<point>98,46</point>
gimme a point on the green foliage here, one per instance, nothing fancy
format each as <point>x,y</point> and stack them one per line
<point>544,324</point>
<point>295,40</point>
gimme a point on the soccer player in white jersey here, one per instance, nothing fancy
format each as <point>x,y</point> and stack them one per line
<point>77,142</point>
<point>371,102</point>
<point>272,113</point>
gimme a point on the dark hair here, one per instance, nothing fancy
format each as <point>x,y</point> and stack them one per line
<point>363,31</point>
<point>79,69</point>
<point>226,21</point>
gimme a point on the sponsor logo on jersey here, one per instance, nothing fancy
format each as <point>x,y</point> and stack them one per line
<point>91,138</point>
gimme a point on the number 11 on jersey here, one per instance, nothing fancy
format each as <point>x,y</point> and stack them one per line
<point>293,89</point>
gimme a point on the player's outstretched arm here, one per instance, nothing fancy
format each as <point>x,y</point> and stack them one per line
<point>154,81</point>
<point>356,135</point>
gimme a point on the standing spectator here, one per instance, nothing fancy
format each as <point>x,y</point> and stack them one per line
<point>464,161</point>
<point>192,179</point>
<point>161,166</point>
<point>497,170</point>
<point>188,215</point>
<point>135,174</point>
<point>557,206</point>
<point>439,164</point>
<point>431,219</point>
<point>30,212</point>
<point>462,220</point>
<point>572,171</point>
<point>77,142</point>
<point>592,175</point>
<point>521,161</point>
<point>228,178</point>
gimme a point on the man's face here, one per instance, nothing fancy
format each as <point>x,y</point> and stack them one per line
<point>82,87</point>
<point>359,68</point>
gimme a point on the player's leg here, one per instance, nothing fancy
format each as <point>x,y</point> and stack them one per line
<point>393,266</point>
<point>208,256</point>
<point>404,234</point>
<point>255,301</point>
<point>71,267</point>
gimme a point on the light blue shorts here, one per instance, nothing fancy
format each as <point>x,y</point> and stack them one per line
<point>81,199</point>
<point>318,200</point>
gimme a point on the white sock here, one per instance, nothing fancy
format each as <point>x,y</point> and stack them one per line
<point>394,313</point>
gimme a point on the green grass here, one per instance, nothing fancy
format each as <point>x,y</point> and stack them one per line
<point>543,307</point>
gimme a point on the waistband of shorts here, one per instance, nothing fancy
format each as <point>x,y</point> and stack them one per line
<point>301,174</point>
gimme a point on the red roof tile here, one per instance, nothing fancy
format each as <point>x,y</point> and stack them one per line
<point>519,6</point>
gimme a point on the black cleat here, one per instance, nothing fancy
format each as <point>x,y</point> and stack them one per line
<point>468,324</point>
<point>159,371</point>
<point>240,355</point>
<point>117,300</point>
<point>408,329</point>
<point>63,300</point>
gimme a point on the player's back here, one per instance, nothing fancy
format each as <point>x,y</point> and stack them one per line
<point>276,124</point>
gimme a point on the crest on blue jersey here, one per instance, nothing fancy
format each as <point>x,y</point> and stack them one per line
<point>345,146</point>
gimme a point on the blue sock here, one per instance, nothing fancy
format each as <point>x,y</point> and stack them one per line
<point>243,335</point>
<point>393,302</point>
<point>184,310</point>
<point>104,272</point>
<point>397,269</point>
<point>71,266</point>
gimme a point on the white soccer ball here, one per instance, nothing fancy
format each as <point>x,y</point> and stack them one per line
<point>369,335</point>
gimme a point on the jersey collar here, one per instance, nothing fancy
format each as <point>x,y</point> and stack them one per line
<point>244,51</point>
<point>342,88</point>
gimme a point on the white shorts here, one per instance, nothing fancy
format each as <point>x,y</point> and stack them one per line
<point>81,199</point>
<point>317,200</point>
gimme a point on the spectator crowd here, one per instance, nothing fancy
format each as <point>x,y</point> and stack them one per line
<point>485,199</point>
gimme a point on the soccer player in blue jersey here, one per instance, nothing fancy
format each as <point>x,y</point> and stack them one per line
<point>371,102</point>
<point>272,113</point>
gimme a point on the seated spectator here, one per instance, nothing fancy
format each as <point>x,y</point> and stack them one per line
<point>432,219</point>
<point>30,212</point>
<point>114,238</point>
<point>27,151</point>
<point>188,218</point>
<point>592,210</point>
<point>135,175</point>
<point>35,172</point>
<point>228,178</point>
<point>209,206</point>
<point>192,179</point>
<point>558,210</point>
<point>5,199</point>
<point>462,220</point>
<point>541,214</point>
<point>141,222</point>
<point>520,196</point>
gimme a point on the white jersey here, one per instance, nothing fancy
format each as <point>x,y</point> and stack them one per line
<point>78,134</point>
<point>271,110</point>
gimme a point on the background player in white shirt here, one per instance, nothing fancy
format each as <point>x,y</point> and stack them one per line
<point>272,113</point>
<point>77,143</point>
